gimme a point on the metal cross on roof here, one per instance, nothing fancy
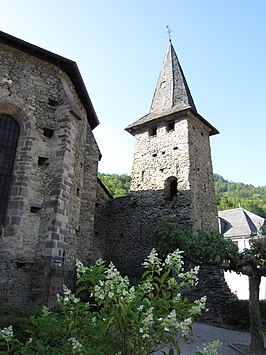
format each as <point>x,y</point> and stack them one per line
<point>169,32</point>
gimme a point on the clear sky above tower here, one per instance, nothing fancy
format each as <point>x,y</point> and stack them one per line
<point>119,46</point>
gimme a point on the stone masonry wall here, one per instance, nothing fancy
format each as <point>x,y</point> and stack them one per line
<point>126,225</point>
<point>204,208</point>
<point>162,155</point>
<point>56,154</point>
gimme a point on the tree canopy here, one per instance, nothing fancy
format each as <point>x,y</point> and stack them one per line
<point>117,185</point>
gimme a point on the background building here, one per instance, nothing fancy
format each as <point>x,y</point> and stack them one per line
<point>240,226</point>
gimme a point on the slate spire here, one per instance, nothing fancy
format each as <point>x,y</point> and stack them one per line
<point>172,89</point>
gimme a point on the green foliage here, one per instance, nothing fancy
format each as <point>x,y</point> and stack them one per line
<point>117,185</point>
<point>210,247</point>
<point>232,195</point>
<point>18,316</point>
<point>169,236</point>
<point>239,314</point>
<point>118,318</point>
<point>203,247</point>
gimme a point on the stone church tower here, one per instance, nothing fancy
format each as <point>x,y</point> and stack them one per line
<point>172,174</point>
<point>172,149</point>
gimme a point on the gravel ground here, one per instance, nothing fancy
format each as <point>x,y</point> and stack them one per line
<point>204,333</point>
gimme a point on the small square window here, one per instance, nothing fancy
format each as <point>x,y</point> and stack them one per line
<point>153,131</point>
<point>170,126</point>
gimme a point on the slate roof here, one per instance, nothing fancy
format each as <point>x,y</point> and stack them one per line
<point>68,66</point>
<point>172,88</point>
<point>239,222</point>
<point>171,95</point>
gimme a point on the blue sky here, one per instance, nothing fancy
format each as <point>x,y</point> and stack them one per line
<point>119,47</point>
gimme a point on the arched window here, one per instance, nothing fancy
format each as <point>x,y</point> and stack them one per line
<point>171,188</point>
<point>9,133</point>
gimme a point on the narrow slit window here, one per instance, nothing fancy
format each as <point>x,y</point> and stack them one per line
<point>9,134</point>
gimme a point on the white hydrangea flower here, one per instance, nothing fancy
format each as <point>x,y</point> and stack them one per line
<point>111,294</point>
<point>147,321</point>
<point>190,277</point>
<point>170,321</point>
<point>210,348</point>
<point>81,269</point>
<point>7,333</point>
<point>174,260</point>
<point>153,262</point>
<point>185,326</point>
<point>198,306</point>
<point>76,345</point>
<point>45,310</point>
<point>69,297</point>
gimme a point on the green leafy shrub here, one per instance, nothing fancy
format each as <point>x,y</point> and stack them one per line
<point>203,247</point>
<point>117,318</point>
<point>18,316</point>
<point>239,314</point>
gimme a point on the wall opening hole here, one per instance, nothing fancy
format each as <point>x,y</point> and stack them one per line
<point>154,155</point>
<point>175,148</point>
<point>163,152</point>
<point>20,265</point>
<point>42,161</point>
<point>142,174</point>
<point>47,132</point>
<point>161,170</point>
<point>153,131</point>
<point>170,126</point>
<point>78,191</point>
<point>52,102</point>
<point>35,209</point>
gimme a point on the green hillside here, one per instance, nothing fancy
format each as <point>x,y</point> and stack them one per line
<point>117,185</point>
<point>234,194</point>
<point>228,194</point>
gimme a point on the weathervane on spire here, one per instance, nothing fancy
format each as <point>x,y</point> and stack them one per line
<point>169,33</point>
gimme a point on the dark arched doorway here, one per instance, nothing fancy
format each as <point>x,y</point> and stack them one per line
<point>9,133</point>
<point>171,188</point>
